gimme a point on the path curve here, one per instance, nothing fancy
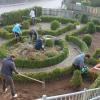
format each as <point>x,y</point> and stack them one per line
<point>65,63</point>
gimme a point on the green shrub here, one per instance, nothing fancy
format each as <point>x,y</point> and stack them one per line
<point>97,53</point>
<point>17,16</point>
<point>14,16</point>
<point>76,80</point>
<point>96,84</point>
<point>60,19</point>
<point>5,34</point>
<point>36,63</point>
<point>49,43</point>
<point>82,45</point>
<point>87,39</point>
<point>98,28</point>
<point>9,28</point>
<point>38,11</point>
<point>55,25</point>
<point>46,76</point>
<point>84,19</point>
<point>25,24</point>
<point>91,28</point>
<point>96,21</point>
<point>92,61</point>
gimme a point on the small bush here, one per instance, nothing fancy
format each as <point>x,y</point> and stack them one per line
<point>97,53</point>
<point>87,39</point>
<point>55,25</point>
<point>95,21</point>
<point>76,80</point>
<point>49,43</point>
<point>91,27</point>
<point>38,11</point>
<point>84,19</point>
<point>25,24</point>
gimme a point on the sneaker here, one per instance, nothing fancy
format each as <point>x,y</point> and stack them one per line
<point>15,96</point>
<point>6,89</point>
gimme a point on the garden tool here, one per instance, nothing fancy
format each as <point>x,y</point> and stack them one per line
<point>42,82</point>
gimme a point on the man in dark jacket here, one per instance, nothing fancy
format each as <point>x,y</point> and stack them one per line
<point>8,66</point>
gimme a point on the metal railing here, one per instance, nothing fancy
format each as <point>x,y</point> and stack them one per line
<point>81,95</point>
<point>96,98</point>
<point>57,12</point>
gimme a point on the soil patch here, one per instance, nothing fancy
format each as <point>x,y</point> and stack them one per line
<point>95,42</point>
<point>32,91</point>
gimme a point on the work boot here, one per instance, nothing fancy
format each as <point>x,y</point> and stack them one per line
<point>15,96</point>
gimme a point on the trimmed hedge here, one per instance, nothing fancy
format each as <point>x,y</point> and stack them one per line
<point>46,76</point>
<point>60,19</point>
<point>96,83</point>
<point>97,53</point>
<point>59,31</point>
<point>37,63</point>
<point>55,25</point>
<point>91,28</point>
<point>17,16</point>
<point>82,45</point>
<point>76,80</point>
<point>87,38</point>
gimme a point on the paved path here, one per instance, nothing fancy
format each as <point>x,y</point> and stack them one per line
<point>65,63</point>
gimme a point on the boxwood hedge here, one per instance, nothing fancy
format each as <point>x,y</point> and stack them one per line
<point>37,63</point>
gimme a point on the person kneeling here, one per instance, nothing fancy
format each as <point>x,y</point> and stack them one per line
<point>39,44</point>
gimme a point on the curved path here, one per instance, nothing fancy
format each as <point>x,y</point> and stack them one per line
<point>65,63</point>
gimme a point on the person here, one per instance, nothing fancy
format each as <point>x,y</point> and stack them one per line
<point>79,61</point>
<point>8,66</point>
<point>17,31</point>
<point>33,35</point>
<point>32,15</point>
<point>39,44</point>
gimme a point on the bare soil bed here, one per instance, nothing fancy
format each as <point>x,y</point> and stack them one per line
<point>95,42</point>
<point>32,91</point>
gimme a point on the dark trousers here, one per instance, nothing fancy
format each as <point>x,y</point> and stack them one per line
<point>76,67</point>
<point>17,36</point>
<point>8,81</point>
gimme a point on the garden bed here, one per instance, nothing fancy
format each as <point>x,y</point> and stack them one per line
<point>32,91</point>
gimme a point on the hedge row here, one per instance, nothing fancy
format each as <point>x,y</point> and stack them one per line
<point>46,76</point>
<point>96,83</point>
<point>7,33</point>
<point>82,45</point>
<point>37,63</point>
<point>58,31</point>
<point>18,16</point>
<point>60,19</point>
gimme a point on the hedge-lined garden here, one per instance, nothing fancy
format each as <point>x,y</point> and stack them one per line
<point>9,19</point>
<point>35,63</point>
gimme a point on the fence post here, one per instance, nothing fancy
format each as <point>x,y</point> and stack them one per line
<point>84,94</point>
<point>44,97</point>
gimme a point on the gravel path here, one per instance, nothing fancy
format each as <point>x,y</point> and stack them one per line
<point>65,63</point>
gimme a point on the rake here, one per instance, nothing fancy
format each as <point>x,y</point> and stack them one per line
<point>42,82</point>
